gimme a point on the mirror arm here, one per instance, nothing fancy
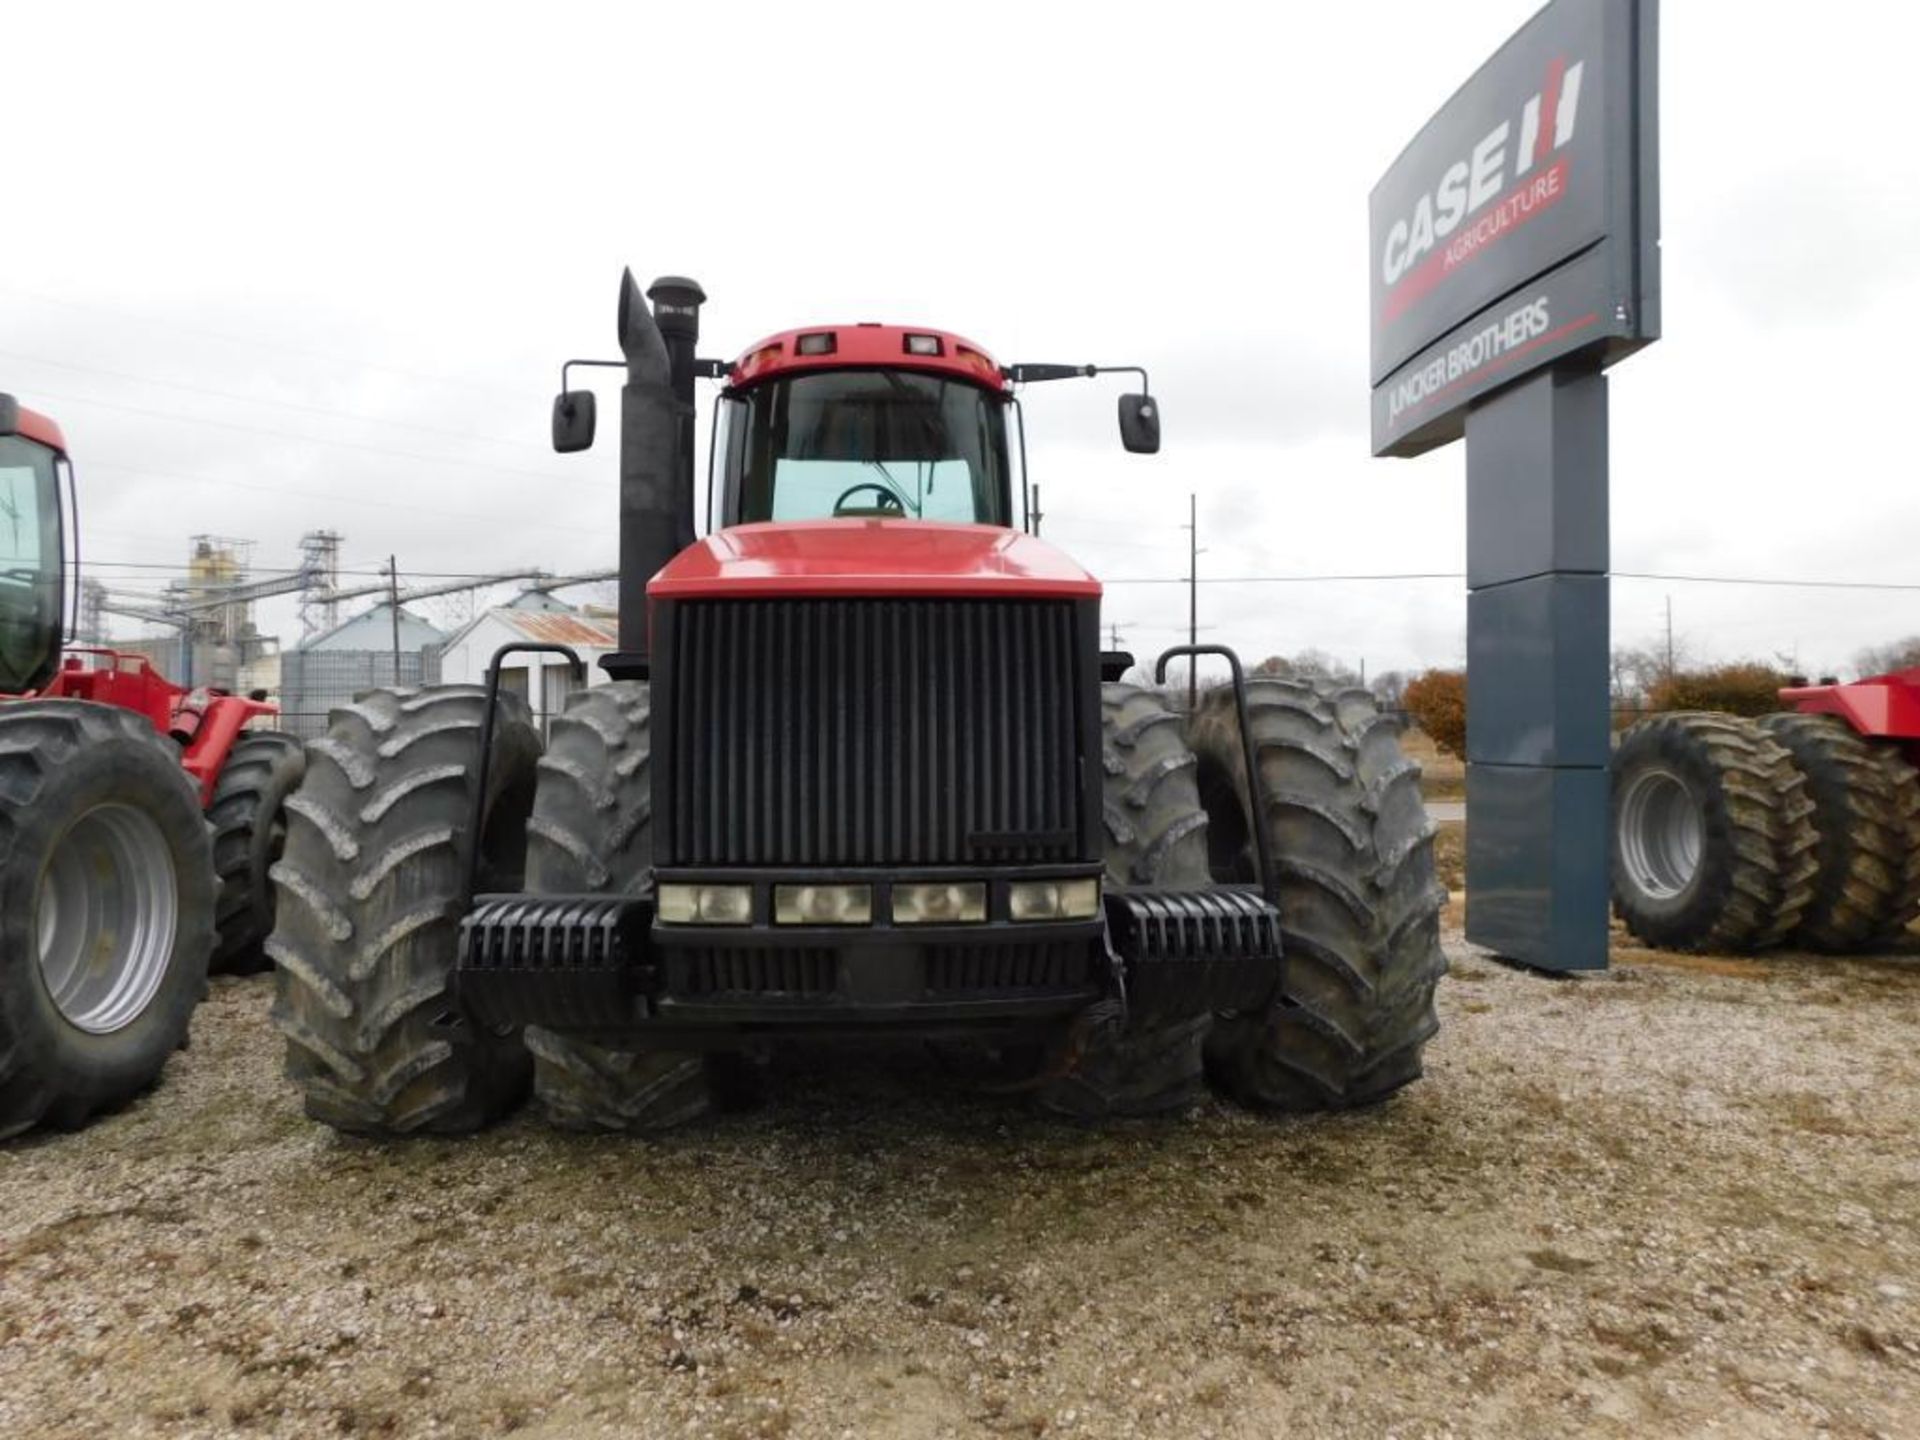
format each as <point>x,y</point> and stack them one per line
<point>702,369</point>
<point>605,364</point>
<point>1032,374</point>
<point>1123,370</point>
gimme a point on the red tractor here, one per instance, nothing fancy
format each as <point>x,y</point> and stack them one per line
<point>861,769</point>
<point>1803,827</point>
<point>138,822</point>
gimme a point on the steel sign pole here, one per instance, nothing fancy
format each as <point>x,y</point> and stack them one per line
<point>1537,651</point>
<point>1515,255</point>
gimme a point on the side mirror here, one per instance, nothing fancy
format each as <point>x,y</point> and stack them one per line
<point>1139,424</point>
<point>573,417</point>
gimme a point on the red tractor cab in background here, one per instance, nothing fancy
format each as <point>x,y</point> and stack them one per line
<point>138,822</point>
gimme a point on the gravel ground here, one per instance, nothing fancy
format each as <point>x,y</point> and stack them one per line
<point>1679,1198</point>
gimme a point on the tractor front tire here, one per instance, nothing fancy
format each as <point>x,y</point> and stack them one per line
<point>592,833</point>
<point>372,888</point>
<point>1152,1070</point>
<point>1359,906</point>
<point>1713,838</point>
<point>249,822</point>
<point>1156,839</point>
<point>1866,811</point>
<point>106,909</point>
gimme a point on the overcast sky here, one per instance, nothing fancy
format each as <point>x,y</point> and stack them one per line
<point>277,270</point>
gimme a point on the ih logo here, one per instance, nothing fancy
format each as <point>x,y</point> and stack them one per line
<point>1504,182</point>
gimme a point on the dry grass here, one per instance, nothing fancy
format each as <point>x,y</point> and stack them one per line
<point>1442,776</point>
<point>1450,855</point>
<point>1695,1213</point>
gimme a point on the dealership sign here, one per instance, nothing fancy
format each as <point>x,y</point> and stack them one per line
<point>1520,225</point>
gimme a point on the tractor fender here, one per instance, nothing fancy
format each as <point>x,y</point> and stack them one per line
<point>211,729</point>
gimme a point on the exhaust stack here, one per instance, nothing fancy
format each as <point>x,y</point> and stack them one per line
<point>656,447</point>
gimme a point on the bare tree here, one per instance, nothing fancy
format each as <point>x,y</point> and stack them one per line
<point>1637,670</point>
<point>1894,655</point>
<point>1309,664</point>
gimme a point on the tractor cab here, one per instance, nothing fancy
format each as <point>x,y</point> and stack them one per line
<point>864,422</point>
<point>32,457</point>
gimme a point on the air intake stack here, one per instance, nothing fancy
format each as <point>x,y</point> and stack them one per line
<point>656,441</point>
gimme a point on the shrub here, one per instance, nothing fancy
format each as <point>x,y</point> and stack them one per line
<point>1746,688</point>
<point>1437,701</point>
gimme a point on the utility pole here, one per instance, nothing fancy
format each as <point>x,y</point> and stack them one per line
<point>1669,639</point>
<point>1113,634</point>
<point>1193,600</point>
<point>393,607</point>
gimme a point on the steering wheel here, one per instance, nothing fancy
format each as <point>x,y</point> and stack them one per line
<point>889,501</point>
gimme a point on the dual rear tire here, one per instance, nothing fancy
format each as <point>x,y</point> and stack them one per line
<point>1359,905</point>
<point>1866,817</point>
<point>592,833</point>
<point>372,887</point>
<point>1735,835</point>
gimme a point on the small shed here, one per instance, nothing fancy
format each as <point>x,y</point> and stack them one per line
<point>544,679</point>
<point>354,656</point>
<point>372,630</point>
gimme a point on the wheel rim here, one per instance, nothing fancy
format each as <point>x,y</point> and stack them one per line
<point>1662,834</point>
<point>107,912</point>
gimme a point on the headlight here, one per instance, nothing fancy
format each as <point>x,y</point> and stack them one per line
<point>706,904</point>
<point>823,904</point>
<point>964,903</point>
<point>1053,900</point>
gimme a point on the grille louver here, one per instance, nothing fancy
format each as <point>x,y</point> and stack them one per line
<point>873,731</point>
<point>969,969</point>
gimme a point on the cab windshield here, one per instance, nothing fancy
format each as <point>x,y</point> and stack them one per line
<point>29,564</point>
<point>865,443</point>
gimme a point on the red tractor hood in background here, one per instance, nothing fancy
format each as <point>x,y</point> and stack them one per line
<point>871,557</point>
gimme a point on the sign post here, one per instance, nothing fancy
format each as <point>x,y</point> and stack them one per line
<point>1515,255</point>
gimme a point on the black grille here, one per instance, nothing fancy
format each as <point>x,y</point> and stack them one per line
<point>872,732</point>
<point>764,973</point>
<point>964,969</point>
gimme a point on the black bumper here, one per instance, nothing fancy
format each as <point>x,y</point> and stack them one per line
<point>607,968</point>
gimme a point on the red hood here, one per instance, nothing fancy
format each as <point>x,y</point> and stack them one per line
<point>871,557</point>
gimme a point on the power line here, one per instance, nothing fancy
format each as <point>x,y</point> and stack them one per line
<point>506,522</point>
<point>263,400</point>
<point>1799,584</point>
<point>88,562</point>
<point>1753,580</point>
<point>256,343</point>
<point>1274,579</point>
<point>162,567</point>
<point>199,422</point>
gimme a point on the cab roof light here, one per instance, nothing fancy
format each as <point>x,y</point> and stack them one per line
<point>765,355</point>
<point>923,345</point>
<point>978,362</point>
<point>821,342</point>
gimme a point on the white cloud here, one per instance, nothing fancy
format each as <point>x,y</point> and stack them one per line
<point>411,215</point>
